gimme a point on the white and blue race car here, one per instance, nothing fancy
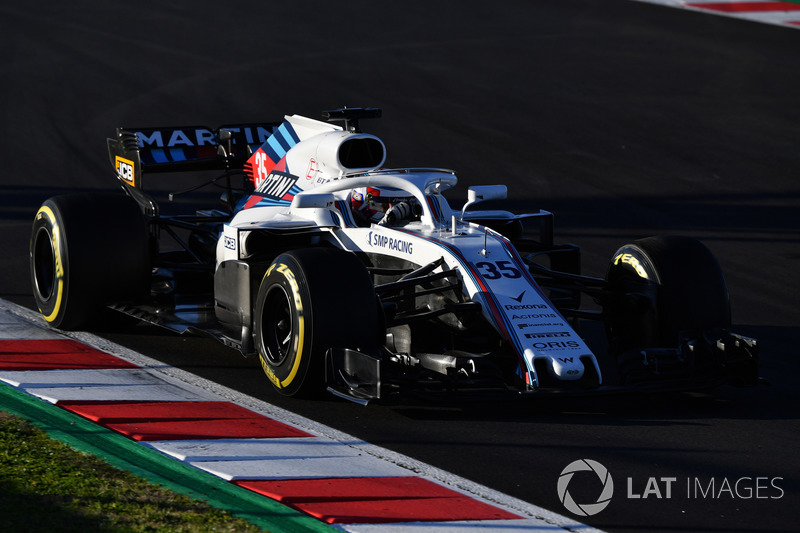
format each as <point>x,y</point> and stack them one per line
<point>339,273</point>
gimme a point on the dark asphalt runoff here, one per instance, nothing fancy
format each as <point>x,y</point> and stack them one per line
<point>624,119</point>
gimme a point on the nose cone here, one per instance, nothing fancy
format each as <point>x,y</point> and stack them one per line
<point>566,368</point>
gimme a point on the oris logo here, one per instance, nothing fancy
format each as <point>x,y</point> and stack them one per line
<point>554,344</point>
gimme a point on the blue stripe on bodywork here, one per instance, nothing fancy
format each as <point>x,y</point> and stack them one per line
<point>287,132</point>
<point>276,146</point>
<point>159,156</point>
<point>271,154</point>
<point>177,154</point>
<point>344,208</point>
<point>283,139</point>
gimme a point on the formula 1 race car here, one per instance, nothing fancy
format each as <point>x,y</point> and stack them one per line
<point>339,273</point>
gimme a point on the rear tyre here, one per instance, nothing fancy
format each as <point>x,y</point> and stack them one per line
<point>87,250</point>
<point>664,286</point>
<point>308,301</point>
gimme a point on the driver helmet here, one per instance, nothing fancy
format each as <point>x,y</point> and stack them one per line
<point>372,203</point>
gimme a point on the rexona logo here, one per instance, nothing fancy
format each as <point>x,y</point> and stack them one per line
<point>512,307</point>
<point>566,477</point>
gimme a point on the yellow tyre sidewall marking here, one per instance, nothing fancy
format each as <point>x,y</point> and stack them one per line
<point>635,264</point>
<point>55,236</point>
<point>299,338</point>
<point>268,371</point>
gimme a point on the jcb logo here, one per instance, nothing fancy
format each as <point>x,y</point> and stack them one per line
<point>125,170</point>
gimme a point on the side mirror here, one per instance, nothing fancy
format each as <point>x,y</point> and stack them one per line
<point>481,193</point>
<point>306,200</point>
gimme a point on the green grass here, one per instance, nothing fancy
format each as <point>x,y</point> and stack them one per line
<point>47,486</point>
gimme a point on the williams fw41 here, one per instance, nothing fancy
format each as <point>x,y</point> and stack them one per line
<point>339,273</point>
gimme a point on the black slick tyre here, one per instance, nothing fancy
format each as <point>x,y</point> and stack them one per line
<point>311,300</point>
<point>87,250</point>
<point>664,286</point>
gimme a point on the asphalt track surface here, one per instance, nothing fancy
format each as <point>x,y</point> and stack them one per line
<point>624,119</point>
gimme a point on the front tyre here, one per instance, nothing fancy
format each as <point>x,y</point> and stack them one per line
<point>664,286</point>
<point>310,300</point>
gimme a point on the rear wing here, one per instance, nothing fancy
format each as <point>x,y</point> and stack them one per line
<point>176,149</point>
<point>134,152</point>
